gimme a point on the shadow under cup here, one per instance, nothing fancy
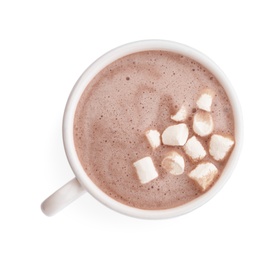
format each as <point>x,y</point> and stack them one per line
<point>82,182</point>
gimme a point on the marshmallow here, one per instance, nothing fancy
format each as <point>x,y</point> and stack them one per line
<point>204,175</point>
<point>175,135</point>
<point>203,124</point>
<point>204,102</point>
<point>153,137</point>
<point>220,146</point>
<point>145,170</point>
<point>194,149</point>
<point>173,163</point>
<point>180,115</point>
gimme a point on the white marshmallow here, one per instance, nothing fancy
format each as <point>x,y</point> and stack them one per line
<point>173,163</point>
<point>145,170</point>
<point>203,124</point>
<point>194,149</point>
<point>220,146</point>
<point>175,135</point>
<point>153,137</point>
<point>180,115</point>
<point>204,174</point>
<point>204,102</point>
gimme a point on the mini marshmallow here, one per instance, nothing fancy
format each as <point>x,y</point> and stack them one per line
<point>173,163</point>
<point>220,146</point>
<point>153,137</point>
<point>145,170</point>
<point>204,102</point>
<point>203,124</point>
<point>194,149</point>
<point>180,115</point>
<point>204,175</point>
<point>175,135</point>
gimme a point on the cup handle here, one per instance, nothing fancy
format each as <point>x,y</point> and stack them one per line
<point>62,197</point>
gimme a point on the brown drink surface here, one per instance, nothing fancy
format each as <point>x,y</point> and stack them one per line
<point>133,94</point>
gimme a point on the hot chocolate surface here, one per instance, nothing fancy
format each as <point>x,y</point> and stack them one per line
<point>130,96</point>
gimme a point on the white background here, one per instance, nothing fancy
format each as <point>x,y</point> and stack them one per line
<point>46,45</point>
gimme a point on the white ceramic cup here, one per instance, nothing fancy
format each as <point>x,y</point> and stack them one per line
<point>82,183</point>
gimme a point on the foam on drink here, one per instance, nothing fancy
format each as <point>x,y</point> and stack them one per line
<point>133,94</point>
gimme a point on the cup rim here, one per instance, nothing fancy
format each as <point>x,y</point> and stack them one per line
<point>94,69</point>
